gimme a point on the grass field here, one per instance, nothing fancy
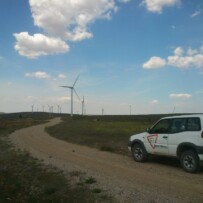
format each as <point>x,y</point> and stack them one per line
<point>25,179</point>
<point>108,133</point>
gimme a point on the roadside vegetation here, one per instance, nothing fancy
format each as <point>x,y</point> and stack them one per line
<point>107,133</point>
<point>26,179</point>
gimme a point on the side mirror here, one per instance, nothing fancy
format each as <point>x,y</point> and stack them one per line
<point>147,130</point>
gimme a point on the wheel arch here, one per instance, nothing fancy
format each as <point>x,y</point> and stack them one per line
<point>185,147</point>
<point>136,141</point>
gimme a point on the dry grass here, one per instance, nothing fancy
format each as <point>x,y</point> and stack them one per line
<point>25,179</point>
<point>107,133</point>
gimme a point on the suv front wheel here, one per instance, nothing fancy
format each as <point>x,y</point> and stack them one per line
<point>189,161</point>
<point>139,153</point>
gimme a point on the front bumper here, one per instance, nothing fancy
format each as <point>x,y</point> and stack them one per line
<point>200,159</point>
<point>129,145</point>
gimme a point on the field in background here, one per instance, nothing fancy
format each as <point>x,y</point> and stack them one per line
<point>108,133</point>
<point>26,179</point>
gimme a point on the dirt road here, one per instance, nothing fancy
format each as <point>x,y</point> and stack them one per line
<point>125,179</point>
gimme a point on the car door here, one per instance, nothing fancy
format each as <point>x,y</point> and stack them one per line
<point>157,138</point>
<point>183,130</point>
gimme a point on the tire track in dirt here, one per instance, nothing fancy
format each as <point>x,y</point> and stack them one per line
<point>119,175</point>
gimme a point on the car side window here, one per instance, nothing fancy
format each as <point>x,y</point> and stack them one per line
<point>162,127</point>
<point>193,124</point>
<point>178,125</point>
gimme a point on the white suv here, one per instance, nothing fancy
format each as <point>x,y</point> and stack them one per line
<point>177,136</point>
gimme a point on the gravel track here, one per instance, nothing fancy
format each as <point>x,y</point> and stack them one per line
<point>118,175</point>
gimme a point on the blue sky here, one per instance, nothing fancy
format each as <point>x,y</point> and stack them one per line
<point>147,54</point>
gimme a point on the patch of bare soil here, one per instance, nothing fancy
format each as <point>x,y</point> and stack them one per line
<point>118,175</point>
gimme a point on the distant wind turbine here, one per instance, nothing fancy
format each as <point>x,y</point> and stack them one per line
<point>50,109</point>
<point>174,109</point>
<point>102,111</point>
<point>72,90</point>
<point>83,106</point>
<point>59,108</point>
<point>32,108</point>
<point>43,108</point>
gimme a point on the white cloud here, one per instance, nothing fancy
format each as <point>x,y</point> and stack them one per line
<point>38,74</point>
<point>190,58</point>
<point>155,101</point>
<point>62,20</point>
<point>61,76</point>
<point>63,99</point>
<point>180,96</point>
<point>154,63</point>
<point>69,19</point>
<point>179,62</point>
<point>196,13</point>
<point>124,1</point>
<point>157,6</point>
<point>186,61</point>
<point>178,51</point>
<point>38,44</point>
<point>192,52</point>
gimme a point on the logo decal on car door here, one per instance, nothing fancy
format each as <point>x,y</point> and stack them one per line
<point>152,140</point>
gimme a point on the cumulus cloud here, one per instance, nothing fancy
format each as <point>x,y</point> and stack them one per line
<point>38,44</point>
<point>192,58</point>
<point>155,101</point>
<point>70,19</point>
<point>62,21</point>
<point>180,96</point>
<point>38,74</point>
<point>157,6</point>
<point>181,59</point>
<point>192,52</point>
<point>154,63</point>
<point>178,51</point>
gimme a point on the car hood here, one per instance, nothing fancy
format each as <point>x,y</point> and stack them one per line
<point>137,136</point>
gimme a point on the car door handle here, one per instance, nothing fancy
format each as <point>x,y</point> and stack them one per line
<point>165,137</point>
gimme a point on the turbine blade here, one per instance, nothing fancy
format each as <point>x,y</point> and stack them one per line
<point>66,86</point>
<point>76,94</point>
<point>76,80</point>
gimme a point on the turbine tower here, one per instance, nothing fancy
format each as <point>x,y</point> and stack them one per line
<point>72,90</point>
<point>32,108</point>
<point>59,109</point>
<point>83,106</point>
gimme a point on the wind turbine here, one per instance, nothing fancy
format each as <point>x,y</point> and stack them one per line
<point>83,106</point>
<point>43,108</point>
<point>59,109</point>
<point>130,109</point>
<point>102,111</point>
<point>50,109</point>
<point>32,108</point>
<point>72,90</point>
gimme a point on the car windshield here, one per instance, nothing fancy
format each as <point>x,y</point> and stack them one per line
<point>161,127</point>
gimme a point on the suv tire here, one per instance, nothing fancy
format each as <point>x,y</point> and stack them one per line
<point>189,161</point>
<point>139,153</point>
